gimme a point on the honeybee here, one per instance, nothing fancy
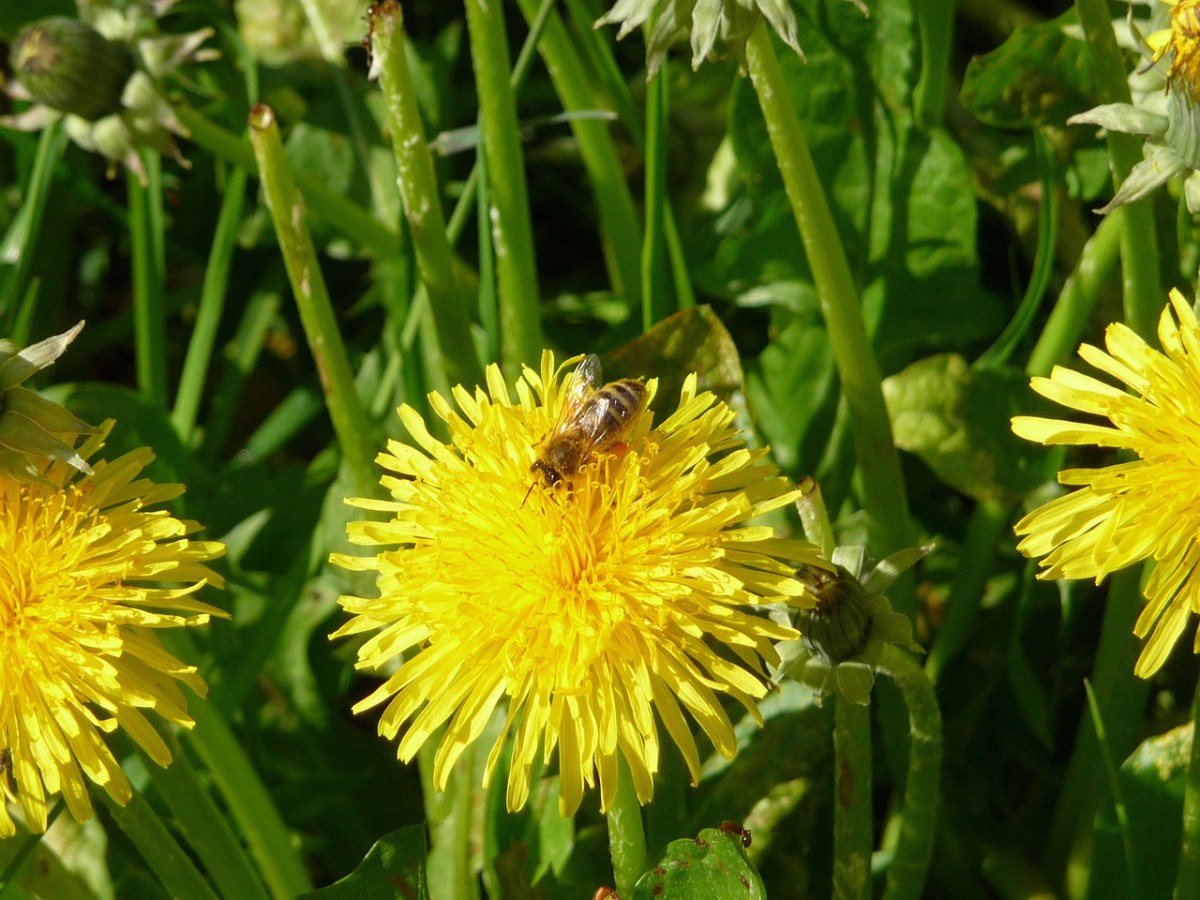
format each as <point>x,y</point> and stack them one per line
<point>593,419</point>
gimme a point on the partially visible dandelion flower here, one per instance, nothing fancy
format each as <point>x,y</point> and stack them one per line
<point>31,427</point>
<point>1145,508</point>
<point>1180,42</point>
<point>594,609</point>
<point>83,559</point>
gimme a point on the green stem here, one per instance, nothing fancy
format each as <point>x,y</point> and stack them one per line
<point>985,530</point>
<point>249,803</point>
<point>449,821</point>
<point>287,208</point>
<point>619,226</point>
<point>1187,879</point>
<point>1063,328</point>
<point>655,307</point>
<point>914,846</point>
<point>212,303</point>
<point>512,232</point>
<point>1139,242</point>
<point>364,230</point>
<point>21,240</point>
<point>1113,779</point>
<point>1121,698</point>
<point>935,24</point>
<point>879,464</point>
<point>421,195</point>
<point>175,870</point>
<point>852,821</point>
<point>149,302</point>
<point>626,835</point>
<point>205,827</point>
<point>814,518</point>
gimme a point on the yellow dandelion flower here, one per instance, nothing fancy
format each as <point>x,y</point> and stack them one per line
<point>78,655</point>
<point>1182,41</point>
<point>592,607</point>
<point>1145,508</point>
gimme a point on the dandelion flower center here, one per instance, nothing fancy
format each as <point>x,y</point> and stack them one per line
<point>1182,41</point>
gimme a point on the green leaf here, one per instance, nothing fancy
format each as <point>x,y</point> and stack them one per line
<point>394,867</point>
<point>1152,782</point>
<point>956,419</point>
<point>1039,76</point>
<point>713,866</point>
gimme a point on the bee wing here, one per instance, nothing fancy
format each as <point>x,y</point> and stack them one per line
<point>581,384</point>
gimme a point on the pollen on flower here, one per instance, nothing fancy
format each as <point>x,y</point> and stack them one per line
<point>595,609</point>
<point>79,561</point>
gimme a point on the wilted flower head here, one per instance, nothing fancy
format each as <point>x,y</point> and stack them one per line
<point>703,22</point>
<point>81,561</point>
<point>843,636</point>
<point>102,74</point>
<point>1170,124</point>
<point>31,427</point>
<point>1144,508</point>
<point>593,608</point>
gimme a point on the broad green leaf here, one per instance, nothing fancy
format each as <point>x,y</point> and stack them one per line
<point>394,867</point>
<point>713,866</point>
<point>1152,782</point>
<point>957,420</point>
<point>1039,76</point>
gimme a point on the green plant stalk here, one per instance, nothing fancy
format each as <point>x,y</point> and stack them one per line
<point>149,302</point>
<point>852,818</point>
<point>1111,775</point>
<point>1121,698</point>
<point>935,24</point>
<point>655,306</point>
<point>212,304</point>
<point>421,195</point>
<point>346,409</point>
<point>246,797</point>
<point>626,833</point>
<point>512,232</point>
<point>1075,303</point>
<point>1139,242</point>
<point>167,860</point>
<point>985,530</point>
<point>1187,878</point>
<point>619,226</point>
<point>685,296</point>
<point>365,231</point>
<point>489,305</point>
<point>600,52</point>
<point>449,821</point>
<point>878,461</point>
<point>914,845</point>
<point>21,240</point>
<point>205,827</point>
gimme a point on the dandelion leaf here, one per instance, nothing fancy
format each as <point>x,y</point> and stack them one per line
<point>393,867</point>
<point>712,866</point>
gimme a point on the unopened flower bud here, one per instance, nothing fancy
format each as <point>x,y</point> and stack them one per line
<point>838,627</point>
<point>71,67</point>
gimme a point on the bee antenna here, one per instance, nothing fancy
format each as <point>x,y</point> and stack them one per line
<point>532,484</point>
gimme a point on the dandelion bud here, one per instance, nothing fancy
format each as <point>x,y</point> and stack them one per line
<point>69,66</point>
<point>838,626</point>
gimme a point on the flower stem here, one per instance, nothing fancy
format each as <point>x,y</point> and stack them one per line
<point>205,827</point>
<point>654,270</point>
<point>619,226</point>
<point>935,23</point>
<point>852,822</point>
<point>914,846</point>
<point>248,801</point>
<point>212,303</point>
<point>1062,330</point>
<point>1121,698</point>
<point>878,462</point>
<point>312,299</point>
<point>1139,242</point>
<point>149,302</point>
<point>175,870</point>
<point>421,195</point>
<point>1187,879</point>
<point>512,231</point>
<point>22,237</point>
<point>626,836</point>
